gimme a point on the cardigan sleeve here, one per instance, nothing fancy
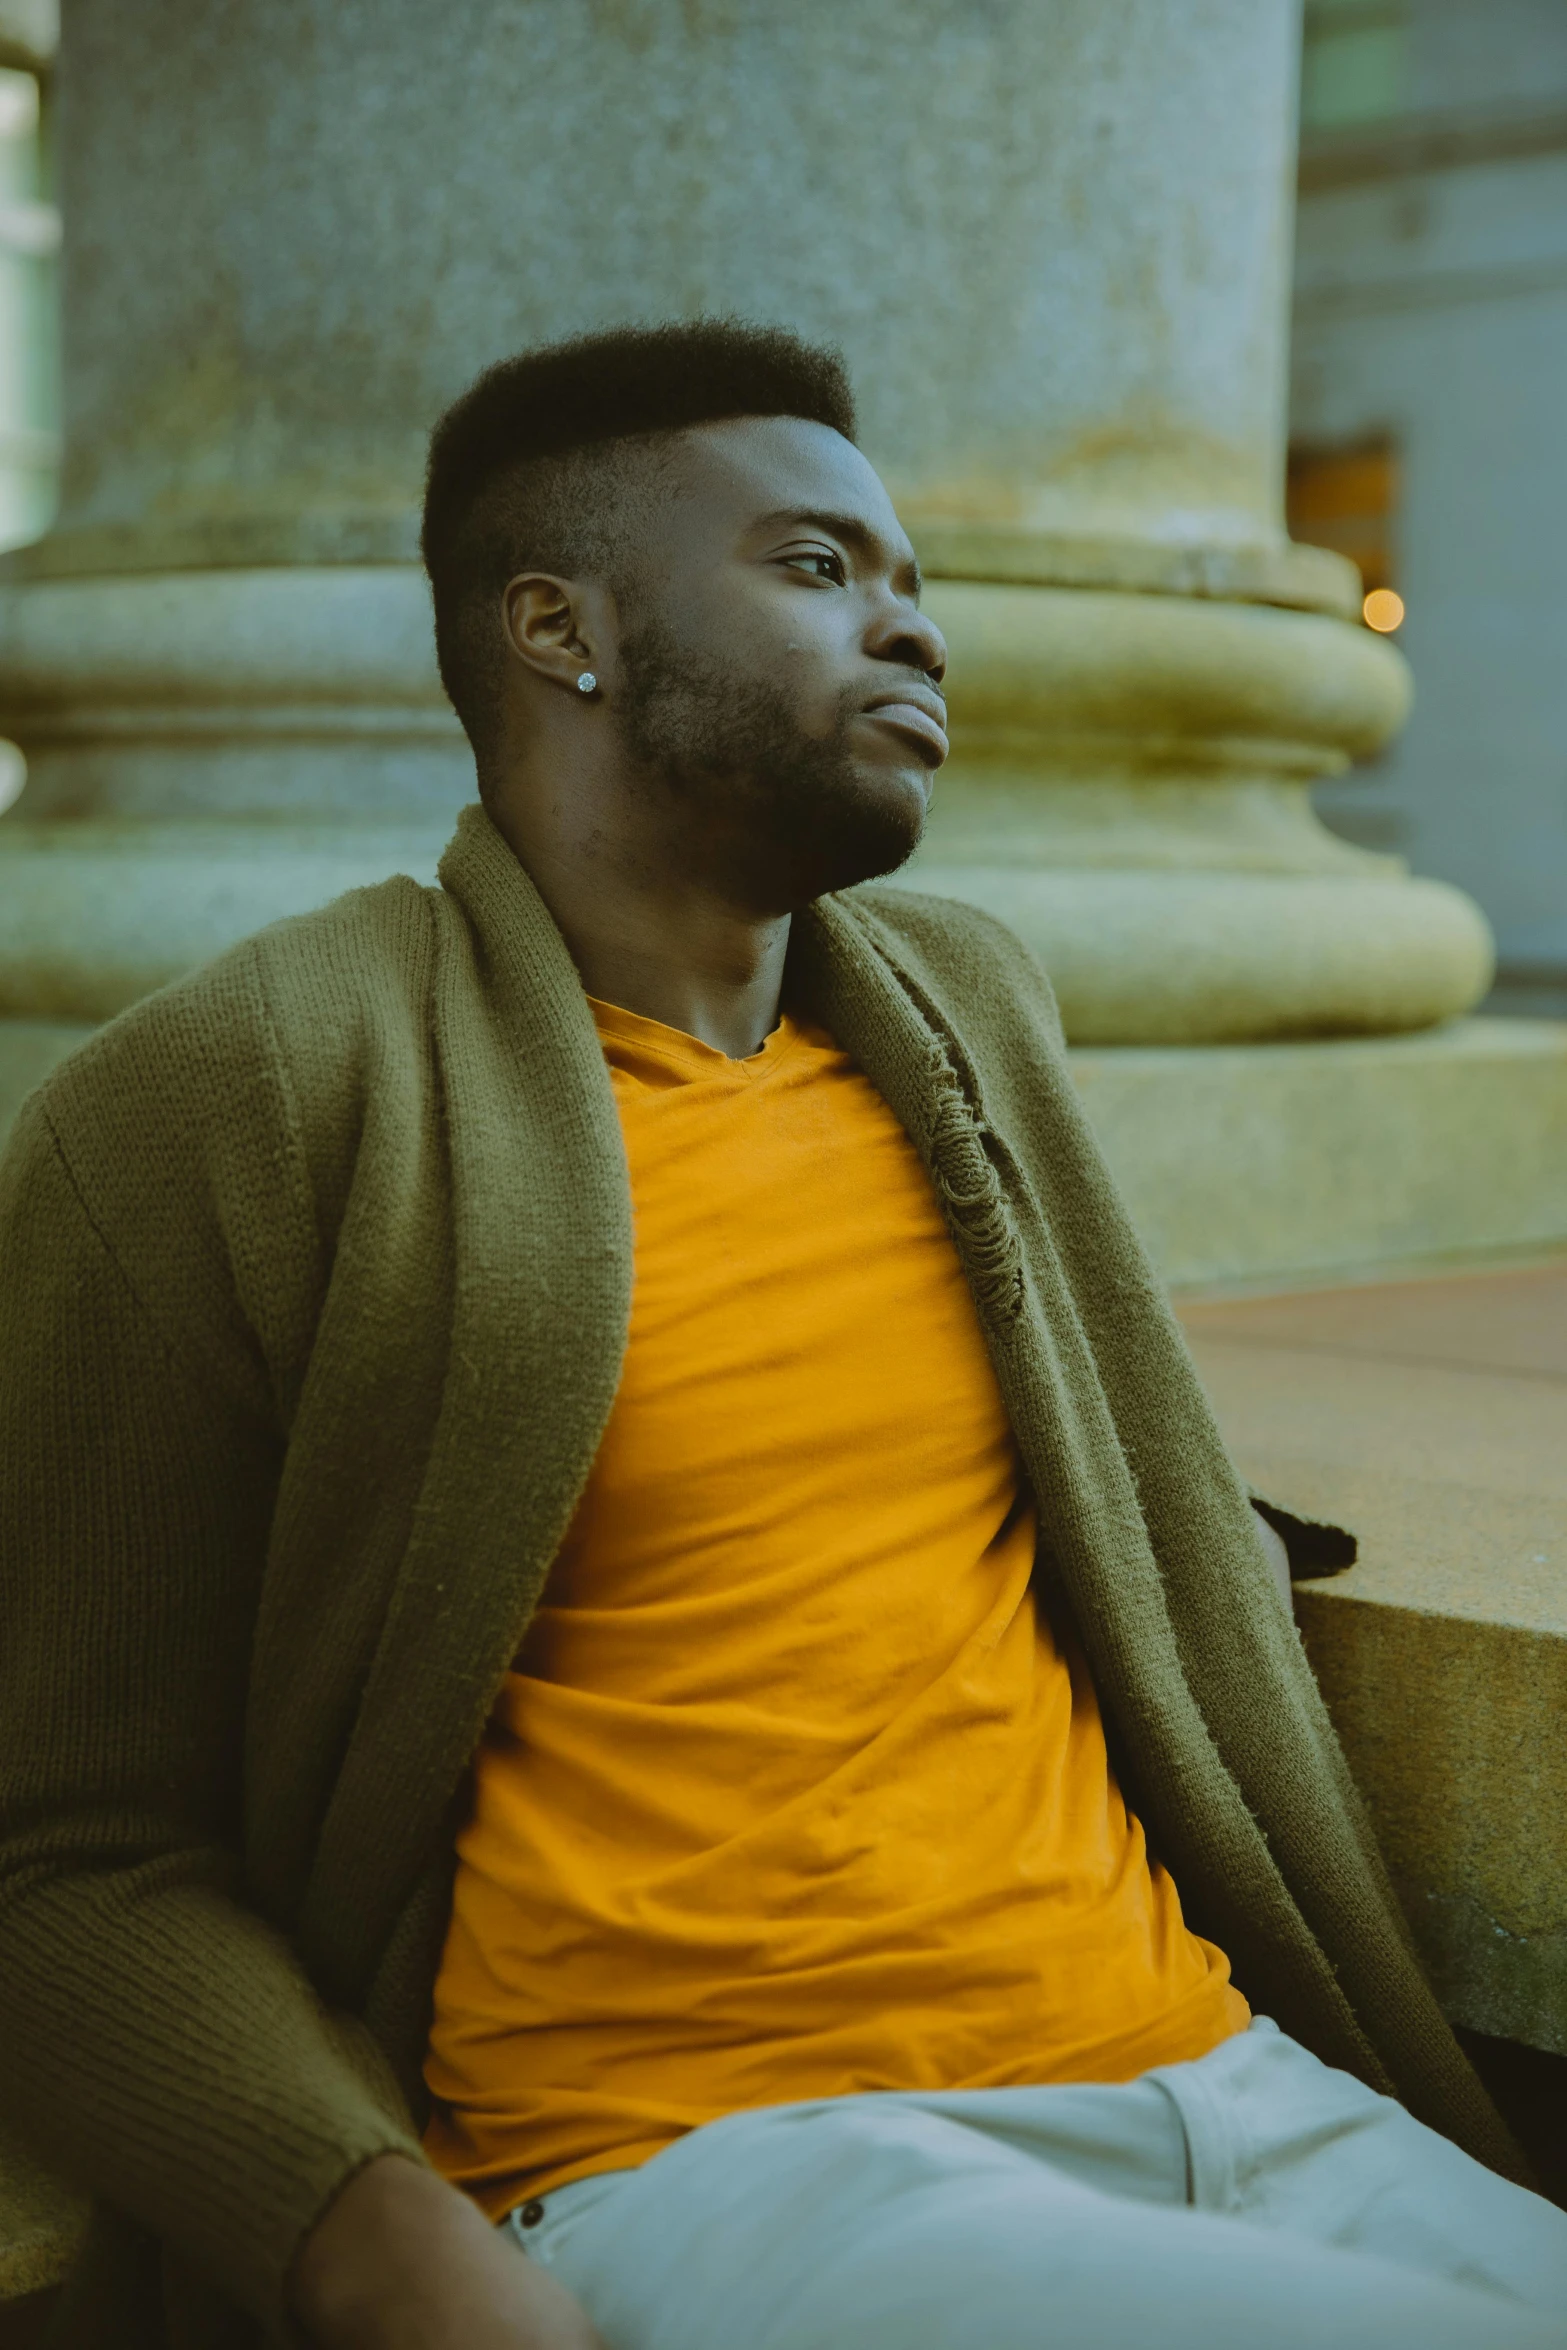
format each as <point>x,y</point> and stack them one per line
<point>162,2044</point>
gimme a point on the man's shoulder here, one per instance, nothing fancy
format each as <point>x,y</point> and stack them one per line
<point>267,1048</point>
<point>980,970</point>
<point>308,982</point>
<point>210,1132</point>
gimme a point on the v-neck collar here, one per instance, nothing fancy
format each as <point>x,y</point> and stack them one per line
<point>631,1039</point>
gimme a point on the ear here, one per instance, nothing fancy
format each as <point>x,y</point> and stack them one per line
<point>545,626</point>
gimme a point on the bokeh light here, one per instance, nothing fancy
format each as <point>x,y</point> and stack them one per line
<point>1383,610</point>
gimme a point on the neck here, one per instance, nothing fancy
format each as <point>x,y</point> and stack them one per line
<point>643,930</point>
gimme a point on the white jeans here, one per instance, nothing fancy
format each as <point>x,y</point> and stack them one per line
<point>1254,2200</point>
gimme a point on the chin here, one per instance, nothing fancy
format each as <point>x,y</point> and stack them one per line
<point>895,807</point>
<point>867,831</point>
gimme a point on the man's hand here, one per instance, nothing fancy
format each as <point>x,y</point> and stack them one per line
<point>402,2261</point>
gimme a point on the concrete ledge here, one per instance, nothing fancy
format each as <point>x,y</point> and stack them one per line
<point>1270,1164</point>
<point>1452,1721</point>
<point>1428,1416</point>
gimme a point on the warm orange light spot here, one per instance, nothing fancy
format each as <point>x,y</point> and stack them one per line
<point>1382,610</point>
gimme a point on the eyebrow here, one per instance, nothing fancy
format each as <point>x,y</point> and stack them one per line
<point>851,528</point>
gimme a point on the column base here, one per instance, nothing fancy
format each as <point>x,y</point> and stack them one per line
<point>1273,1165</point>
<point>1129,791</point>
<point>1162,959</point>
<point>96,914</point>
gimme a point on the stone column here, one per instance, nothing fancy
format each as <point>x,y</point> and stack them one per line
<point>1051,235</point>
<point>1052,238</point>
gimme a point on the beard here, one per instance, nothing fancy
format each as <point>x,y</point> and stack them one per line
<point>769,814</point>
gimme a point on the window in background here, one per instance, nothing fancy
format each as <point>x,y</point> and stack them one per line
<point>29,245</point>
<point>1346,497</point>
<point>1355,63</point>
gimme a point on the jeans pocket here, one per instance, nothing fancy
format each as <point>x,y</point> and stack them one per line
<point>541,2226</point>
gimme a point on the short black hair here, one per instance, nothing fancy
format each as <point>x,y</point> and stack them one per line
<point>520,465</point>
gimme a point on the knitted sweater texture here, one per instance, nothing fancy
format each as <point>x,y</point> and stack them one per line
<point>316,1278</point>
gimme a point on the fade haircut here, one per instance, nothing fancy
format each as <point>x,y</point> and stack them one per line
<point>538,465</point>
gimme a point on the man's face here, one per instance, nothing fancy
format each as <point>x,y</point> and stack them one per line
<point>775,680</point>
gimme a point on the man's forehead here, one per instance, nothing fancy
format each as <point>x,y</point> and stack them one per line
<point>763,465</point>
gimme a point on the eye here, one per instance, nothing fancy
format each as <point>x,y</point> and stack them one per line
<point>820,562</point>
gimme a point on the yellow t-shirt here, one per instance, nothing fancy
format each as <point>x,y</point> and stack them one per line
<point>791,1792</point>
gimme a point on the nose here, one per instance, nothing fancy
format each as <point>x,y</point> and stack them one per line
<point>905,637</point>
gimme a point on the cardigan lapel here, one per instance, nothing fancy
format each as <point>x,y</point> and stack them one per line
<point>1092,1520</point>
<point>1092,1374</point>
<point>541,1227</point>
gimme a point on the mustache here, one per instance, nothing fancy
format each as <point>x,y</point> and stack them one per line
<point>921,677</point>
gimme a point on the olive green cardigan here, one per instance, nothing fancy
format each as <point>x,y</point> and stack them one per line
<point>316,1276</point>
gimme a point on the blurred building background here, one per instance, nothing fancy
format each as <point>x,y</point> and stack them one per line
<point>29,244</point>
<point>1429,428</point>
<point>29,314</point>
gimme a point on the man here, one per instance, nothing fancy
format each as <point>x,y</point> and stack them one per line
<point>583,1451</point>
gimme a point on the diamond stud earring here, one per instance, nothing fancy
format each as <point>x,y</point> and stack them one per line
<point>587,683</point>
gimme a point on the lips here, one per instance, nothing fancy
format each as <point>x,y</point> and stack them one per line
<point>918,714</point>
